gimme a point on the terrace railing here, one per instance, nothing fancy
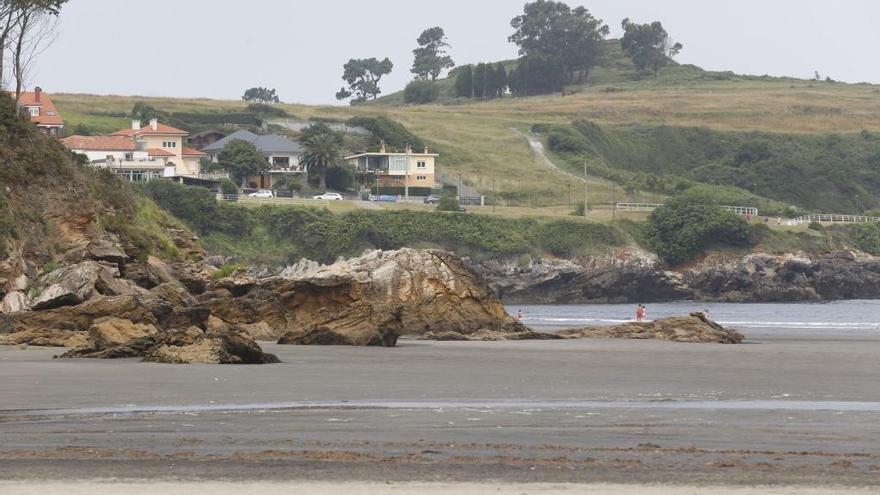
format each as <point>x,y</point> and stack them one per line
<point>835,218</point>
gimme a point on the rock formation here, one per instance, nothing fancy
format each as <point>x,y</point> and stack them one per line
<point>369,300</point>
<point>177,312</point>
<point>632,275</point>
<point>694,328</point>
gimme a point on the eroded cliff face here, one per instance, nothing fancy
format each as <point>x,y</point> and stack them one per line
<point>633,275</point>
<point>179,312</point>
<point>372,299</point>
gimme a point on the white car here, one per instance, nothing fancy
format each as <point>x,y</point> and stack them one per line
<point>329,197</point>
<point>262,193</point>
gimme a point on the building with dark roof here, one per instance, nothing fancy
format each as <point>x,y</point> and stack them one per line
<point>283,154</point>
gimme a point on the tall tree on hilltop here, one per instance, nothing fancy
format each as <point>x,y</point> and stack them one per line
<point>550,29</point>
<point>261,95</point>
<point>430,58</point>
<point>464,82</point>
<point>362,77</point>
<point>648,45</point>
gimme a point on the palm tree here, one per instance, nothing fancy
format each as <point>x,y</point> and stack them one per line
<point>322,151</point>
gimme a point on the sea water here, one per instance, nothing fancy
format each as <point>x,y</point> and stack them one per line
<point>861,317</point>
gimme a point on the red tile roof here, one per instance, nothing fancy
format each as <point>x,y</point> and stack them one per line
<point>145,130</point>
<point>48,113</point>
<point>99,143</point>
<point>159,152</point>
<point>187,151</point>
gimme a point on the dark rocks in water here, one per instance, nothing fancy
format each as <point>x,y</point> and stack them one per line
<point>632,275</point>
<point>626,276</point>
<point>693,328</point>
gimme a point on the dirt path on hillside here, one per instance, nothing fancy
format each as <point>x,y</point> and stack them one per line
<point>541,156</point>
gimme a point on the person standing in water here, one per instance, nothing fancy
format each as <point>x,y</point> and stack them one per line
<point>640,313</point>
<point>519,315</point>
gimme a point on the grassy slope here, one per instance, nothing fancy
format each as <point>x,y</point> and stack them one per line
<point>477,141</point>
<point>50,206</point>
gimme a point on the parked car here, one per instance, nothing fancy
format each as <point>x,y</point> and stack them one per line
<point>432,199</point>
<point>262,193</point>
<point>329,197</point>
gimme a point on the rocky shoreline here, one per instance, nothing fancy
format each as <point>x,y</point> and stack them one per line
<point>632,275</point>
<point>103,304</point>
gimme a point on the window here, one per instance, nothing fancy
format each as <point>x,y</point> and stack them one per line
<point>421,164</point>
<point>169,144</point>
<point>421,177</point>
<point>34,111</point>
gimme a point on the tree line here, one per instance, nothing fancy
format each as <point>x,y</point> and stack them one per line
<point>558,45</point>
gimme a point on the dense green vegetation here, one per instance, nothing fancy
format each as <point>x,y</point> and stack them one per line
<point>681,229</point>
<point>791,168</point>
<point>284,234</point>
<point>47,200</point>
<point>383,129</point>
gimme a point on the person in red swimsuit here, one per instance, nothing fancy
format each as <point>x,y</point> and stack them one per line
<point>640,313</point>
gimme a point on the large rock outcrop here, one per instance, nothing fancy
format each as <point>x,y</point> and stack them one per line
<point>372,299</point>
<point>693,328</point>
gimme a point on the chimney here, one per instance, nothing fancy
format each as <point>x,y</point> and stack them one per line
<point>135,125</point>
<point>154,124</point>
<point>37,92</point>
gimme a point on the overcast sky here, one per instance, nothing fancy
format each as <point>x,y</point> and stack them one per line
<point>218,48</point>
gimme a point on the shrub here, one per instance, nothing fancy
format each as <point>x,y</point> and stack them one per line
<point>421,92</point>
<point>266,110</point>
<point>447,203</point>
<point>227,270</point>
<point>288,183</point>
<point>392,133</point>
<point>681,229</point>
<point>579,210</point>
<point>228,187</point>
<point>340,178</point>
<point>816,226</point>
<point>566,140</point>
<point>867,238</point>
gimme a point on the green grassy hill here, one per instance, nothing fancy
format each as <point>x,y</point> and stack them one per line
<point>821,135</point>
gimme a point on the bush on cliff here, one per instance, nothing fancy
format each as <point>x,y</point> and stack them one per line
<point>681,229</point>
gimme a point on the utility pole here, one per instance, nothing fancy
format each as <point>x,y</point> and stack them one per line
<point>613,200</point>
<point>585,188</point>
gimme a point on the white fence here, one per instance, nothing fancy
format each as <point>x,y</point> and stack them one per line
<point>739,210</point>
<point>833,218</point>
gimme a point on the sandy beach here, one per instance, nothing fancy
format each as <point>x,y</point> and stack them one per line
<point>783,411</point>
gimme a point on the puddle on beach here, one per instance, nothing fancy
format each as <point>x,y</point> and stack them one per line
<point>492,405</point>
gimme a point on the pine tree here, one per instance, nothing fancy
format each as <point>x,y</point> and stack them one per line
<point>500,79</point>
<point>480,80</point>
<point>464,82</point>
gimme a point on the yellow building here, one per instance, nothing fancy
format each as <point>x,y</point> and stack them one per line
<point>396,169</point>
<point>164,140</point>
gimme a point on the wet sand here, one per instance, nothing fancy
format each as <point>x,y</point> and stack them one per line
<point>784,408</point>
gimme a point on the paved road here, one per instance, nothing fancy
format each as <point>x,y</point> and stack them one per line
<point>788,409</point>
